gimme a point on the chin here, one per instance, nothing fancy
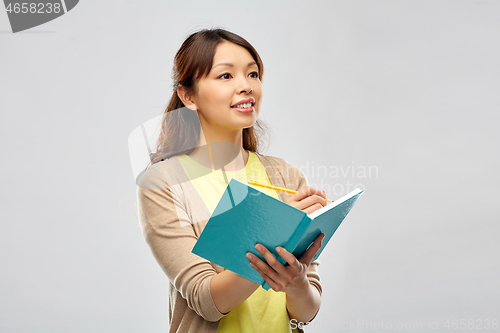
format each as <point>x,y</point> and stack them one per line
<point>245,123</point>
<point>249,124</point>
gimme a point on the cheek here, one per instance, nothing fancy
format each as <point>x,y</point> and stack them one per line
<point>257,88</point>
<point>214,98</point>
<point>258,94</point>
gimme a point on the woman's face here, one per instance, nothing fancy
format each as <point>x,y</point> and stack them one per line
<point>228,98</point>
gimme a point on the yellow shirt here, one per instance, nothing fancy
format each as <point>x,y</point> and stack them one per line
<point>263,311</point>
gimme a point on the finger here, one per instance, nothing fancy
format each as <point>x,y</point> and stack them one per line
<point>292,261</point>
<point>266,278</point>
<point>305,192</point>
<point>313,208</point>
<point>255,260</point>
<point>317,200</point>
<point>263,268</point>
<point>307,256</point>
<point>271,261</point>
<point>310,201</point>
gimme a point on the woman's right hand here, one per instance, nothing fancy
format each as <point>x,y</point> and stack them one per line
<point>307,199</point>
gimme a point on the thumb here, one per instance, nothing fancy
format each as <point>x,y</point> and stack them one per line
<point>307,256</point>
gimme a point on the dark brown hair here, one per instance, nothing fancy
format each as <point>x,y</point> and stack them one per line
<point>179,131</point>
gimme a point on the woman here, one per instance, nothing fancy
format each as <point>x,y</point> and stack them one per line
<point>209,135</point>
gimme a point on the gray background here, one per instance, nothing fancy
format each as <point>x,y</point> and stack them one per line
<point>409,88</point>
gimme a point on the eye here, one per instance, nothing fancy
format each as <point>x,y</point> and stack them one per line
<point>224,76</point>
<point>254,75</point>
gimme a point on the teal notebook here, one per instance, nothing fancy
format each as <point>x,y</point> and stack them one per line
<point>245,216</point>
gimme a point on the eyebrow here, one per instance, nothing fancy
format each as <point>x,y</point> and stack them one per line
<point>228,64</point>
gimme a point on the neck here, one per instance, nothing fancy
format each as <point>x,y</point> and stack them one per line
<point>210,134</point>
<point>221,150</point>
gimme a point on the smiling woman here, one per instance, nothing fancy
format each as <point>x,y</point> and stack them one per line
<point>228,98</point>
<point>217,75</point>
<point>194,62</point>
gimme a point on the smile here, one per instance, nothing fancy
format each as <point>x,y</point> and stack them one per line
<point>243,106</point>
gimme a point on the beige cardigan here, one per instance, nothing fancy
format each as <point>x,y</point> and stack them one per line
<point>172,216</point>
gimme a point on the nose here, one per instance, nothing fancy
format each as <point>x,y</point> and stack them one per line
<point>247,91</point>
<point>245,87</point>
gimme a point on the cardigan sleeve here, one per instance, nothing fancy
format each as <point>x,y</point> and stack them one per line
<point>169,233</point>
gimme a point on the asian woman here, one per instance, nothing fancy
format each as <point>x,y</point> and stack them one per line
<point>210,133</point>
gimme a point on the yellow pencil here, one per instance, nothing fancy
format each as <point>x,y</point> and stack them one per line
<point>251,182</point>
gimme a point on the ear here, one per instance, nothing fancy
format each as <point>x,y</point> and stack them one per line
<point>186,97</point>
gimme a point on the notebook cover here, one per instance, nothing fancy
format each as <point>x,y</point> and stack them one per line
<point>245,216</point>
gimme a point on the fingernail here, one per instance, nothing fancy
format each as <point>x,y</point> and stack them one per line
<point>258,247</point>
<point>278,249</point>
<point>249,256</point>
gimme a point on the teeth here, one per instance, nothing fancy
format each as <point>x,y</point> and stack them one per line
<point>243,106</point>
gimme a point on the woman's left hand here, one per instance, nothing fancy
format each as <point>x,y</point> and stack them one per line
<point>291,279</point>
